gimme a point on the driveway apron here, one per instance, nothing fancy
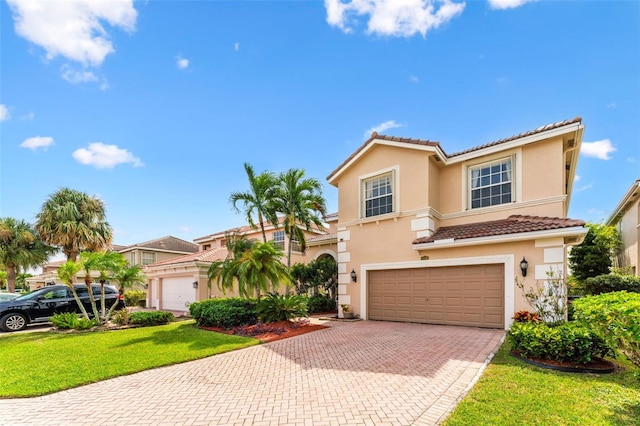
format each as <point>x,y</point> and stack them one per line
<point>356,373</point>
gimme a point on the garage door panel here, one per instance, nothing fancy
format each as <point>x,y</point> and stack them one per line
<point>461,295</point>
<point>177,293</point>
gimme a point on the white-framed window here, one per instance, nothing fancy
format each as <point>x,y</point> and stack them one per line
<point>491,184</point>
<point>295,245</point>
<point>148,258</point>
<point>278,239</point>
<point>377,195</point>
<point>133,258</point>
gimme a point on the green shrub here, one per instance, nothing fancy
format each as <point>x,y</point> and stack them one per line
<point>615,317</point>
<point>149,318</point>
<point>610,283</point>
<point>70,321</point>
<point>133,297</point>
<point>120,317</point>
<point>566,342</point>
<point>226,313</point>
<point>278,307</point>
<point>320,303</point>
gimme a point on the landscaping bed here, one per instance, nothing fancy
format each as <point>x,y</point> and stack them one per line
<point>270,332</point>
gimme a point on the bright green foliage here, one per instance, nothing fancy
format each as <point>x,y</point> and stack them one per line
<point>67,273</point>
<point>121,316</point>
<point>548,298</point>
<point>127,277</point>
<point>610,283</point>
<point>106,264</point>
<point>260,270</point>
<point>20,248</point>
<point>75,222</point>
<point>225,272</point>
<point>594,255</point>
<point>277,307</point>
<point>133,297</point>
<point>615,317</point>
<point>225,313</point>
<point>150,318</point>
<point>70,321</point>
<point>566,342</point>
<point>321,303</point>
<point>301,202</point>
<point>257,201</point>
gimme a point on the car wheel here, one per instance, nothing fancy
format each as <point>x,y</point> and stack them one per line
<point>13,322</point>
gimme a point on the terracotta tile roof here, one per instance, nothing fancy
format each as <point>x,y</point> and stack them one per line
<point>246,229</point>
<point>514,224</point>
<point>425,142</point>
<point>322,238</point>
<point>219,253</point>
<point>167,243</point>
<point>522,135</point>
<point>331,216</point>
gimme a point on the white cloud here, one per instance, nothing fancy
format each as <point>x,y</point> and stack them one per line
<point>36,142</point>
<point>73,29</point>
<point>390,124</point>
<point>507,4</point>
<point>236,46</point>
<point>577,178</point>
<point>598,149</point>
<point>584,187</point>
<point>182,63</point>
<point>631,160</point>
<point>392,17</point>
<point>75,77</point>
<point>612,105</point>
<point>4,112</point>
<point>105,156</point>
<point>29,116</point>
<point>414,79</point>
<point>184,228</point>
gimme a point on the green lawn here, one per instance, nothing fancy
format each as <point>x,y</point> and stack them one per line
<point>41,362</point>
<point>511,392</point>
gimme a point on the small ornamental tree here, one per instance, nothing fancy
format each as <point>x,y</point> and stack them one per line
<point>547,298</point>
<point>594,255</point>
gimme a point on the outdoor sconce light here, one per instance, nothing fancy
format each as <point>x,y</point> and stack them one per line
<point>354,277</point>
<point>524,265</point>
<point>195,284</point>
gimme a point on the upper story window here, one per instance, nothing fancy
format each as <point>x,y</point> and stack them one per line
<point>148,258</point>
<point>132,258</point>
<point>295,245</point>
<point>278,239</point>
<point>378,195</point>
<point>491,184</point>
<point>206,247</point>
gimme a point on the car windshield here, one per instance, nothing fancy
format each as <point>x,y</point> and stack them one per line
<point>30,296</point>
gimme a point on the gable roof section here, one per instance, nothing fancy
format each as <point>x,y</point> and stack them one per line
<point>168,243</point>
<point>211,255</point>
<point>631,196</point>
<point>514,224</point>
<point>436,148</point>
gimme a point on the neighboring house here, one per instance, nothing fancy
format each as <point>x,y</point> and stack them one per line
<point>164,248</point>
<point>626,218</point>
<point>430,237</point>
<point>178,282</point>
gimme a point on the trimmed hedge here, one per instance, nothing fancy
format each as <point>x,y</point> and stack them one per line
<point>566,342</point>
<point>149,318</point>
<point>610,283</point>
<point>615,317</point>
<point>226,313</point>
<point>132,297</point>
<point>320,303</point>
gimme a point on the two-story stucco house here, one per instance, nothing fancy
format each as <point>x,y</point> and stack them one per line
<point>430,237</point>
<point>626,218</point>
<point>177,282</point>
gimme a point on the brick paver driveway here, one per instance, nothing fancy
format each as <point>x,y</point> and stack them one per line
<point>362,373</point>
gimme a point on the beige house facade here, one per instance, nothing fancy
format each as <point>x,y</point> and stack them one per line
<point>430,237</point>
<point>626,218</point>
<point>176,283</point>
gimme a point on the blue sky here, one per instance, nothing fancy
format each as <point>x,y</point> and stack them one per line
<point>155,106</point>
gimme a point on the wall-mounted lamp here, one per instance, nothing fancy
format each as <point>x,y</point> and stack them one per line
<point>524,265</point>
<point>354,277</point>
<point>195,284</point>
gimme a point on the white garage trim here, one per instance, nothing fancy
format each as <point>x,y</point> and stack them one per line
<point>508,260</point>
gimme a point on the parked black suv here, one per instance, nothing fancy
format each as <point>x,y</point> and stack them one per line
<point>40,305</point>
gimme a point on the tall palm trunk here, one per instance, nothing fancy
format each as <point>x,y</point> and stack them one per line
<point>11,277</point>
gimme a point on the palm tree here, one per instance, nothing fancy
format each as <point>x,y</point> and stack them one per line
<point>20,247</point>
<point>301,202</point>
<point>257,201</point>
<point>127,276</point>
<point>106,264</point>
<point>67,273</point>
<point>225,272</point>
<point>75,222</point>
<point>260,267</point>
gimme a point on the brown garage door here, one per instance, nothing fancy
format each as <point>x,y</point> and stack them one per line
<point>454,295</point>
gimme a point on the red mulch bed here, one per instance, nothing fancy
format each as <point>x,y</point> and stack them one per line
<point>597,365</point>
<point>271,331</point>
